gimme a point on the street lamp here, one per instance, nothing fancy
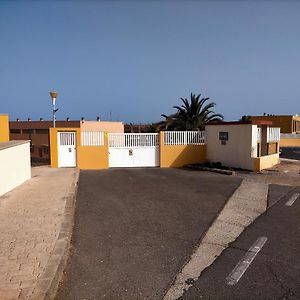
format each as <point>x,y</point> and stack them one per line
<point>53,96</point>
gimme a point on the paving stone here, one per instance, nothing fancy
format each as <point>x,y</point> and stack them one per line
<point>31,217</point>
<point>9,293</point>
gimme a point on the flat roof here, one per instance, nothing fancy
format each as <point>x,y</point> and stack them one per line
<point>5,145</point>
<point>254,122</point>
<point>41,124</point>
<point>270,116</point>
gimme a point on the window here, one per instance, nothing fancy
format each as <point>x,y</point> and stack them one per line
<point>297,126</point>
<point>42,131</point>
<point>29,131</point>
<point>15,131</point>
<point>46,150</point>
<point>40,152</point>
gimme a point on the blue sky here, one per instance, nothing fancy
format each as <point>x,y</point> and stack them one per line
<point>133,60</point>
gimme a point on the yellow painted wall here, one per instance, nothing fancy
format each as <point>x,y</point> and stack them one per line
<point>265,162</point>
<point>290,142</point>
<point>176,156</point>
<point>273,148</point>
<point>4,128</point>
<point>93,157</point>
<point>88,157</point>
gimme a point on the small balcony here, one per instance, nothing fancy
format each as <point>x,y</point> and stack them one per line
<point>267,141</point>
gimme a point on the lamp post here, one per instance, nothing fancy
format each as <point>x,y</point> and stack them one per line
<point>53,96</point>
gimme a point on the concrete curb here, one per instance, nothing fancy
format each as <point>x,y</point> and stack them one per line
<point>47,284</point>
<point>290,160</point>
<point>214,170</point>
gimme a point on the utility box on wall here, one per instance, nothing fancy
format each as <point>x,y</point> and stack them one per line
<point>223,137</point>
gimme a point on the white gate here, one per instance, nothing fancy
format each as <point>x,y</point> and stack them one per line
<point>133,149</point>
<point>66,149</point>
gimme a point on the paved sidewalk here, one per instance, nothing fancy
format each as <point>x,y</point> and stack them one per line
<point>32,218</point>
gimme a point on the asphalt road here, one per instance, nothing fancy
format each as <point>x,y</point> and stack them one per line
<point>135,228</point>
<point>275,271</point>
<point>290,152</point>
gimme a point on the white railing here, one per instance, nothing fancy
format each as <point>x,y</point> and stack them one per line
<point>92,138</point>
<point>184,138</point>
<point>132,140</point>
<point>273,134</point>
<point>258,134</point>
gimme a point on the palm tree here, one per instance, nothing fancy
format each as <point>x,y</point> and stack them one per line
<point>191,115</point>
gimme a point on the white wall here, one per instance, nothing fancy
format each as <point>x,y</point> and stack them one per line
<point>15,167</point>
<point>239,149</point>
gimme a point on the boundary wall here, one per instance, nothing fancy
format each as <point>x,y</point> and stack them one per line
<point>177,149</point>
<point>290,140</point>
<point>175,156</point>
<point>15,165</point>
<point>87,157</point>
<point>265,162</point>
<point>4,128</point>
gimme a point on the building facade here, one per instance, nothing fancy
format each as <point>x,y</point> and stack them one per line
<point>287,123</point>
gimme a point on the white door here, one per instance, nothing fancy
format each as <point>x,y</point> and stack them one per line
<point>133,150</point>
<point>66,149</point>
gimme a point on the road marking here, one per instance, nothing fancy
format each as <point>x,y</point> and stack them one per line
<point>239,270</point>
<point>291,201</point>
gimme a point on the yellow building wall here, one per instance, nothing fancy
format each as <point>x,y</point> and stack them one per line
<point>93,157</point>
<point>87,157</point>
<point>284,122</point>
<point>289,142</point>
<point>53,148</point>
<point>265,162</point>
<point>4,128</point>
<point>175,156</point>
<point>273,148</point>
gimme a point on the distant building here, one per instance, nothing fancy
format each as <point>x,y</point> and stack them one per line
<point>38,133</point>
<point>136,128</point>
<point>287,123</point>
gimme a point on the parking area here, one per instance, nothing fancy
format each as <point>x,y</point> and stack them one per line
<point>135,228</point>
<point>290,152</point>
